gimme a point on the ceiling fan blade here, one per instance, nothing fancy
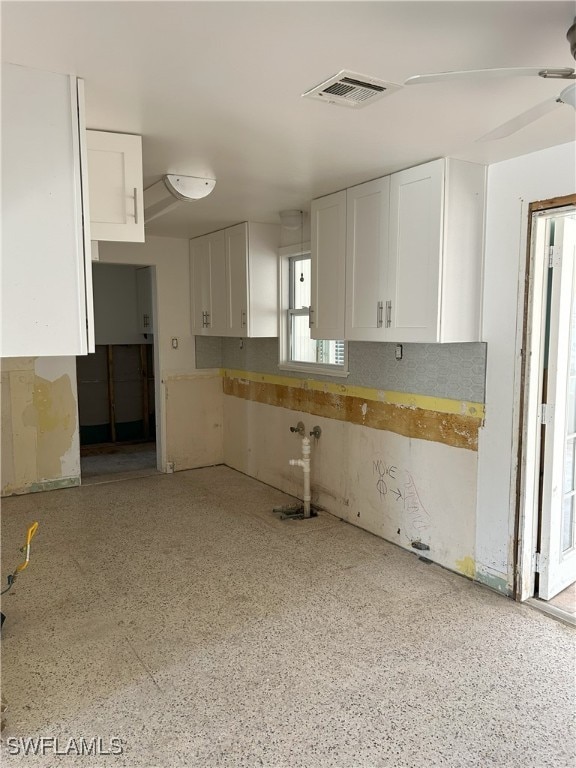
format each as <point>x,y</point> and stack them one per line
<point>521,121</point>
<point>467,74</point>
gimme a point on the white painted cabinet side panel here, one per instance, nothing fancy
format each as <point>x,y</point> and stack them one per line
<point>416,209</point>
<point>463,251</point>
<point>368,210</point>
<point>328,290</point>
<point>116,186</point>
<point>43,273</point>
<point>263,243</point>
<point>237,280</point>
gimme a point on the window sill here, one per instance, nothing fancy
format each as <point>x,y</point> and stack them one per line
<point>311,368</point>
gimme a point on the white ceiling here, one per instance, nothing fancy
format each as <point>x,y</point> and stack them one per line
<point>214,88</point>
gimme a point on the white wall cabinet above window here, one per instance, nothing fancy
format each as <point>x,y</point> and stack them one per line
<point>46,291</point>
<point>234,281</point>
<point>116,186</point>
<point>412,260</point>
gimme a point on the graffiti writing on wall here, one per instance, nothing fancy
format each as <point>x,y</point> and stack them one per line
<point>396,486</point>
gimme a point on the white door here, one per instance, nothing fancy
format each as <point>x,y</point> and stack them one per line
<point>237,280</point>
<point>368,210</point>
<point>328,255</point>
<point>558,533</point>
<point>416,211</point>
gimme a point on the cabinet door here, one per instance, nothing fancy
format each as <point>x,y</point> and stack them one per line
<point>46,291</point>
<point>217,308</point>
<point>237,280</point>
<point>367,260</point>
<point>208,290</point>
<point>200,282</point>
<point>115,183</point>
<point>144,299</point>
<point>328,291</point>
<point>416,216</point>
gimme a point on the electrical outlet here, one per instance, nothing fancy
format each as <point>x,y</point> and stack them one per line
<point>174,342</point>
<point>399,352</point>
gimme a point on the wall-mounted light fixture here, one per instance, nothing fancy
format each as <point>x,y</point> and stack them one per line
<point>173,189</point>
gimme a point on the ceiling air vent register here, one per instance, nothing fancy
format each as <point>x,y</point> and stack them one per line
<point>350,89</point>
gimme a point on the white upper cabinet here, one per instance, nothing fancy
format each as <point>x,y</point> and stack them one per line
<point>367,278</point>
<point>413,256</point>
<point>208,284</point>
<point>234,276</point>
<point>46,290</point>
<point>328,288</point>
<point>436,245</point>
<point>116,186</point>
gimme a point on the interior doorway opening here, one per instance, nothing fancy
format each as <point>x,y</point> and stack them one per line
<point>547,530</point>
<point>116,384</point>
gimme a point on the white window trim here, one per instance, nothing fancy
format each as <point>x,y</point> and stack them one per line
<point>285,253</point>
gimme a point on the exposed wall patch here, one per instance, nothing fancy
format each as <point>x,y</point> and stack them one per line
<point>454,429</point>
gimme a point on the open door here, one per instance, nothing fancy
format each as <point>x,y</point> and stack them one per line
<point>557,567</point>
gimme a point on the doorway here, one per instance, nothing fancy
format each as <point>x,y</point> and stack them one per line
<point>548,457</point>
<point>116,384</point>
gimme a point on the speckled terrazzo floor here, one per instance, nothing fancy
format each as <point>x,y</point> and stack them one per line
<point>177,613</point>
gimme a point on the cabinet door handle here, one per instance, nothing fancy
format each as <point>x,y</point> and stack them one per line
<point>388,314</point>
<point>379,314</point>
<point>135,205</point>
<point>310,319</point>
<point>243,318</point>
<point>204,319</point>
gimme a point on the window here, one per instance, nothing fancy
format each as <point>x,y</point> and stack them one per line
<point>300,351</point>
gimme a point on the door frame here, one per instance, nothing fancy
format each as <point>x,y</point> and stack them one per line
<point>529,397</point>
<point>159,398</point>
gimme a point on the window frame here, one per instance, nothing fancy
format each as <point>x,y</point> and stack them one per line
<point>285,255</point>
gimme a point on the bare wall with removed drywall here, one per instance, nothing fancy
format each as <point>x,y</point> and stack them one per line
<point>398,451</point>
<point>188,402</point>
<point>512,186</point>
<point>40,438</point>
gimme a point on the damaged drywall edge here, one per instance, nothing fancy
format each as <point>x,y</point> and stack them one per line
<point>46,485</point>
<point>205,373</point>
<point>497,583</point>
<point>447,428</point>
<point>405,399</point>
